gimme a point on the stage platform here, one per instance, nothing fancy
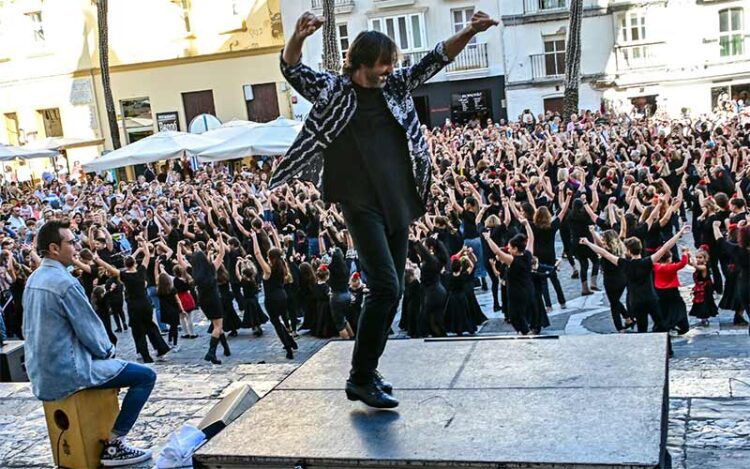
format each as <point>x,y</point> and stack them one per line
<point>567,402</point>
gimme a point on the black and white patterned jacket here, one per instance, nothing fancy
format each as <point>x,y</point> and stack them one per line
<point>334,103</point>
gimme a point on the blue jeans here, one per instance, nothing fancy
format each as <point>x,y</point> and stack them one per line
<point>139,380</point>
<point>476,245</point>
<point>3,333</point>
<point>153,298</point>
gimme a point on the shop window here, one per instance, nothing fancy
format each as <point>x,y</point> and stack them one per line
<point>137,118</point>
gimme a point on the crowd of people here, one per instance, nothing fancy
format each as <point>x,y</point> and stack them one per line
<point>617,192</point>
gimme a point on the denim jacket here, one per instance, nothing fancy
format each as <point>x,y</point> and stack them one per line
<point>334,103</point>
<point>67,348</point>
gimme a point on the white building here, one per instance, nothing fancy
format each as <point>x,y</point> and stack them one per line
<point>676,55</point>
<point>472,85</point>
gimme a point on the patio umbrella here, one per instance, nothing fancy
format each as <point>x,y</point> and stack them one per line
<point>63,143</point>
<point>159,146</point>
<point>270,138</point>
<point>10,152</point>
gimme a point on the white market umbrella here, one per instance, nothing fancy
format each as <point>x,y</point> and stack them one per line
<point>270,138</point>
<point>230,130</point>
<point>159,146</point>
<point>63,143</point>
<point>10,152</point>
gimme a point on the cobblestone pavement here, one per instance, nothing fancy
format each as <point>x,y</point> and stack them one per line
<point>709,425</point>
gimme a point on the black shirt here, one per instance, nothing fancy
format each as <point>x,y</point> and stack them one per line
<point>376,171</point>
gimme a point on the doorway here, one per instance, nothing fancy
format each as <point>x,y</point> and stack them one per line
<point>196,103</point>
<point>422,105</point>
<point>553,105</point>
<point>264,107</point>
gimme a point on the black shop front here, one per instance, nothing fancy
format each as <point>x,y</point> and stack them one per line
<point>461,100</point>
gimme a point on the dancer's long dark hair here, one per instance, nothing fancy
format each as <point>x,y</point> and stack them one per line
<point>204,272</point>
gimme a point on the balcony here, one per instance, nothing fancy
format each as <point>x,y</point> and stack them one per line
<point>550,66</point>
<point>473,57</point>
<point>340,6</point>
<point>639,56</point>
<point>533,7</point>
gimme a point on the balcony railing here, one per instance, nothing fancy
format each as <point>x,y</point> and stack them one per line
<point>542,6</point>
<point>547,66</point>
<point>639,56</point>
<point>318,4</point>
<point>473,57</point>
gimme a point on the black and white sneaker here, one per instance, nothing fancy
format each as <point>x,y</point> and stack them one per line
<point>118,453</point>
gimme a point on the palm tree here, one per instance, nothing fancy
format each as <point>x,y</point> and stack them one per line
<point>331,54</point>
<point>573,60</point>
<point>109,103</point>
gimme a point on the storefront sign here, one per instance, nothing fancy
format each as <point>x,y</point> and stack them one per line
<point>473,102</point>
<point>167,121</point>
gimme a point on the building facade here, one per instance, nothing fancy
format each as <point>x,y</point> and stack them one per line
<point>472,86</point>
<point>170,60</point>
<point>675,56</point>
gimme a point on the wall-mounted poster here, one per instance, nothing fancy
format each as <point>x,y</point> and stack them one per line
<point>167,121</point>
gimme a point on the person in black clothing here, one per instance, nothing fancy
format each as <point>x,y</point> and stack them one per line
<point>142,325</point>
<point>204,275</point>
<point>520,283</point>
<point>115,302</point>
<point>615,281</point>
<point>580,218</point>
<point>372,147</point>
<point>275,273</point>
<point>340,299</point>
<point>99,303</point>
<point>545,226</point>
<point>434,258</point>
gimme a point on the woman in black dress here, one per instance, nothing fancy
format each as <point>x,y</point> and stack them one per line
<point>307,284</point>
<point>739,253</point>
<point>253,316</point>
<point>434,296</point>
<point>209,299</point>
<point>140,313</point>
<point>520,283</point>
<point>274,275</point>
<point>580,218</point>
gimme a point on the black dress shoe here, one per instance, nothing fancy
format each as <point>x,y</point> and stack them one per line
<point>370,394</point>
<point>383,384</point>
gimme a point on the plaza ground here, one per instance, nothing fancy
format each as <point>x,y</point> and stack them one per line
<point>709,425</point>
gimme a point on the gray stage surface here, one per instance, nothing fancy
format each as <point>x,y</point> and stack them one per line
<point>567,402</point>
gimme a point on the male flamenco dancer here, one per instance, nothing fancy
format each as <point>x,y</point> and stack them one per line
<point>363,147</point>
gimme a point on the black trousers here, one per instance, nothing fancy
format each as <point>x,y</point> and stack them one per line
<point>614,288</point>
<point>382,255</point>
<point>143,328</point>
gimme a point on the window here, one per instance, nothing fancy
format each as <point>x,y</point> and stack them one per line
<point>137,120</point>
<point>37,28</point>
<point>52,122</point>
<point>731,32</point>
<point>554,56</point>
<point>633,27</point>
<point>343,32</point>
<point>462,18</point>
<point>407,31</point>
<point>11,128</point>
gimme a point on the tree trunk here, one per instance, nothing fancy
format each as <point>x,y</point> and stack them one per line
<point>109,103</point>
<point>331,54</point>
<point>573,60</point>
